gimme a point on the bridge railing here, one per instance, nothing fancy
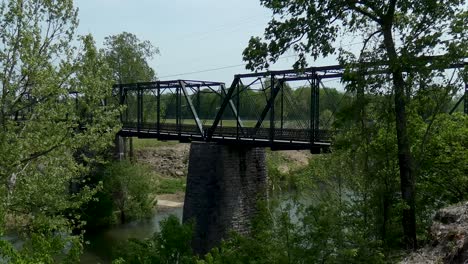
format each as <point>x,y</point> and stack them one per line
<point>288,134</point>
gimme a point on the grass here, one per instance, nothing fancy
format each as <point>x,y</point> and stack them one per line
<point>171,185</point>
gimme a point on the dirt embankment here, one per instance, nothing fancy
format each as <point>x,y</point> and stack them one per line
<point>168,161</point>
<point>449,243</point>
<point>172,160</point>
<point>295,159</point>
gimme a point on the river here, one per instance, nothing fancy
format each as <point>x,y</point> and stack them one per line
<point>99,245</point>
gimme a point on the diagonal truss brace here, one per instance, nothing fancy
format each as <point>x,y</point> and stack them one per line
<point>274,92</point>
<point>192,108</point>
<point>227,100</point>
<point>233,108</point>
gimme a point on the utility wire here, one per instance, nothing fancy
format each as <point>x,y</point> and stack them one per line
<point>244,64</point>
<point>216,69</point>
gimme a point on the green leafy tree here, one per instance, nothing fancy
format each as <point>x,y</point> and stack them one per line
<point>51,110</point>
<point>422,29</point>
<point>170,245</point>
<point>130,186</point>
<point>128,58</point>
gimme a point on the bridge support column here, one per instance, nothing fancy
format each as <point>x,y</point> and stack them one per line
<point>224,184</point>
<point>122,151</point>
<point>119,148</point>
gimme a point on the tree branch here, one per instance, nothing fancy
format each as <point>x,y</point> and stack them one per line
<point>365,12</point>
<point>366,41</point>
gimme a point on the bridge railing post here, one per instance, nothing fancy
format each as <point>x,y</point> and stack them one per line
<point>317,108</point>
<point>272,107</point>
<point>177,111</point>
<point>238,109</point>
<point>158,110</point>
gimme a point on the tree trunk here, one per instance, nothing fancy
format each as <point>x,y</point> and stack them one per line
<point>122,216</point>
<point>404,153</point>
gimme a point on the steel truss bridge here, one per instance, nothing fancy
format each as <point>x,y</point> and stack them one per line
<point>257,109</point>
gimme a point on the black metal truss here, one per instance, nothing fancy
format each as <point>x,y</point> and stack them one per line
<point>311,137</point>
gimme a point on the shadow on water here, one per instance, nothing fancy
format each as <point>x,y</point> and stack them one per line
<point>100,244</point>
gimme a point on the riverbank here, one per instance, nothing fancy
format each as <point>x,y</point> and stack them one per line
<point>169,161</point>
<point>101,245</point>
<point>169,201</point>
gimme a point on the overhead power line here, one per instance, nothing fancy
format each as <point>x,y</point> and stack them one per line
<point>201,71</point>
<point>215,69</point>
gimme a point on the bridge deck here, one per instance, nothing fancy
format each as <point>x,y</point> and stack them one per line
<point>282,139</point>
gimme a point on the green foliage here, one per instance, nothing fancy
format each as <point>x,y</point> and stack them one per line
<point>127,57</point>
<point>126,192</point>
<point>170,245</point>
<point>443,164</point>
<point>282,172</point>
<point>292,232</point>
<point>171,185</point>
<point>314,28</point>
<point>54,127</point>
<point>398,37</point>
<point>131,187</point>
<point>347,207</point>
<point>275,177</point>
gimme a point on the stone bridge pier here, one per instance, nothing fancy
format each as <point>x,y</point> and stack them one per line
<point>224,184</point>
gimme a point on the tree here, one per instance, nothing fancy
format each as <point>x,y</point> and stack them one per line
<point>130,186</point>
<point>423,29</point>
<point>127,56</point>
<point>51,110</point>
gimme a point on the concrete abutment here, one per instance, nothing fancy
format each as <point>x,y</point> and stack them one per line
<point>224,185</point>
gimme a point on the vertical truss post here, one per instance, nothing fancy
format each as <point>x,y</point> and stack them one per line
<point>226,101</point>
<point>178,111</point>
<point>192,108</point>
<point>272,107</point>
<point>238,109</point>
<point>317,107</point>
<point>198,103</point>
<point>282,107</point>
<point>314,94</point>
<point>139,107</point>
<point>311,112</point>
<point>158,110</point>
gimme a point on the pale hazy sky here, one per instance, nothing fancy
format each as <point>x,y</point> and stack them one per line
<point>192,35</point>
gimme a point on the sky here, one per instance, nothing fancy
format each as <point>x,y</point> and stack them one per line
<point>194,37</point>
